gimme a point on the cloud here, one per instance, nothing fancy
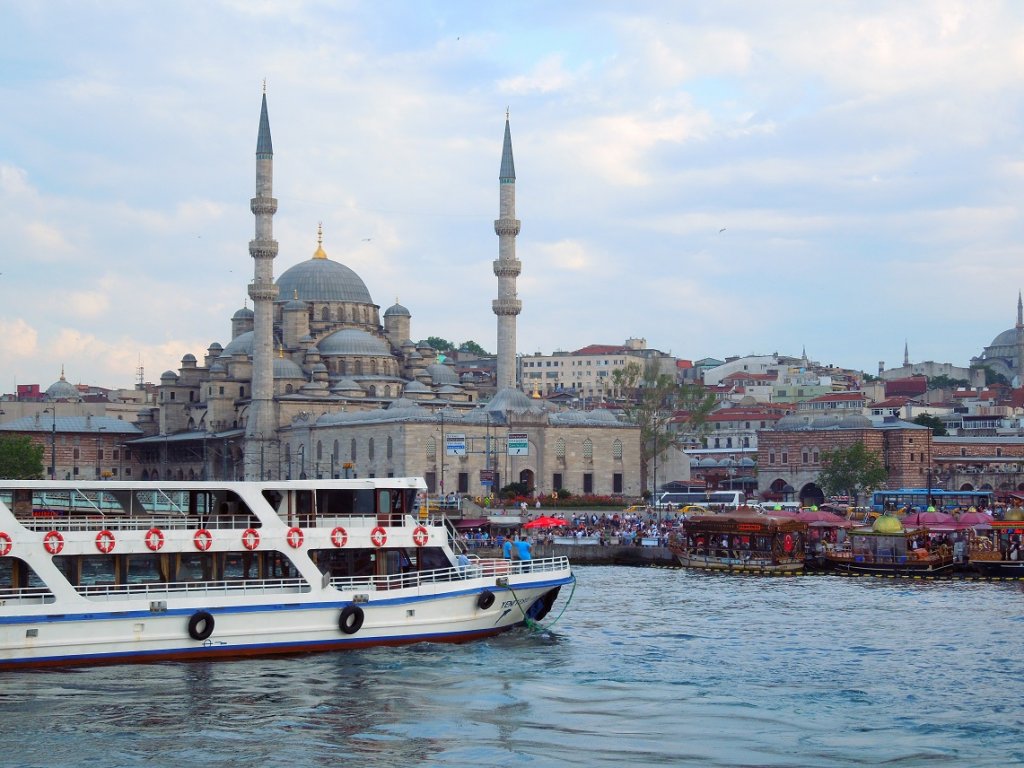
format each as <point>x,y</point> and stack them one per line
<point>547,76</point>
<point>18,341</point>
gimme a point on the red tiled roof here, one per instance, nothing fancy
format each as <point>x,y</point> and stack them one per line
<point>601,349</point>
<point>837,397</point>
<point>893,402</point>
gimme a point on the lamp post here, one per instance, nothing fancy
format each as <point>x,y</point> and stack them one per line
<point>53,442</point>
<point>302,461</point>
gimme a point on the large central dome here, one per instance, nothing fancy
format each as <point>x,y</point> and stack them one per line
<point>322,280</point>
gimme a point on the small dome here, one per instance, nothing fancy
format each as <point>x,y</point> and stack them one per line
<point>296,305</point>
<point>217,368</point>
<point>416,386</point>
<point>825,422</point>
<point>346,385</point>
<point>746,461</point>
<point>792,421</point>
<point>397,310</point>
<point>707,462</point>
<point>189,358</point>
<point>352,341</point>
<point>856,421</point>
<point>887,524</point>
<point>62,389</point>
<point>240,345</point>
<point>441,374</point>
<point>165,376</point>
<point>1014,514</point>
<point>215,347</point>
<point>244,314</point>
<point>286,369</point>
<point>319,368</point>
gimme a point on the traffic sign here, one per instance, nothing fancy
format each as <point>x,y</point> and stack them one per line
<point>518,444</point>
<point>455,444</point>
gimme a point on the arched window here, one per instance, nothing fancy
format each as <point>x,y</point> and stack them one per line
<point>325,315</point>
<point>588,449</point>
<point>431,448</point>
<point>391,447</point>
<point>617,450</point>
<point>353,449</point>
<point>336,453</point>
<point>319,450</point>
<point>369,451</point>
<point>288,389</point>
<point>560,448</point>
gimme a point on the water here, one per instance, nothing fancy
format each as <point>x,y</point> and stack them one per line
<point>647,667</point>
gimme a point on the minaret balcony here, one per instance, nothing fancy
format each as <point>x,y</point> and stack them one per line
<point>259,291</point>
<point>507,306</point>
<point>506,227</point>
<point>263,249</point>
<point>507,267</point>
<point>260,205</point>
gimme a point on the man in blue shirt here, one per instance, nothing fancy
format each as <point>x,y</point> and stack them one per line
<point>506,549</point>
<point>525,552</point>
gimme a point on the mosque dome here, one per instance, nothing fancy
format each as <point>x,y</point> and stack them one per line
<point>791,421</point>
<point>244,314</point>
<point>240,345</point>
<point>416,386</point>
<point>441,374</point>
<point>855,421</point>
<point>1005,341</point>
<point>352,341</point>
<point>397,310</point>
<point>62,389</point>
<point>286,369</point>
<point>321,279</point>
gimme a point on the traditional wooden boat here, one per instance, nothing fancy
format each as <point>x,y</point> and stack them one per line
<point>998,550</point>
<point>886,547</point>
<point>118,571</point>
<point>743,541</point>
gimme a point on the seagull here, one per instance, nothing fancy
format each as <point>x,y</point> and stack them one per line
<point>721,230</point>
<point>367,239</point>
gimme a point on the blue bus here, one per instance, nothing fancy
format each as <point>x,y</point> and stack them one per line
<point>902,498</point>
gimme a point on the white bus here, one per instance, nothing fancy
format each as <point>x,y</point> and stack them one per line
<point>711,499</point>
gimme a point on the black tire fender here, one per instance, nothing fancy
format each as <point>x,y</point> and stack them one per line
<point>485,600</point>
<point>200,625</point>
<point>351,619</point>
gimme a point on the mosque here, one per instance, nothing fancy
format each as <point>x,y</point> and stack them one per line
<point>315,382</point>
<point>1005,355</point>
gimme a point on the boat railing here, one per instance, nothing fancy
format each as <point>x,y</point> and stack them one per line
<point>162,589</point>
<point>477,568</point>
<point>139,523</point>
<point>29,595</point>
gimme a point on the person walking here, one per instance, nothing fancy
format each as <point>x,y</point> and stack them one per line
<point>525,551</point>
<point>506,548</point>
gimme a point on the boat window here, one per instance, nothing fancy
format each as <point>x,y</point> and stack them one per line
<point>16,574</point>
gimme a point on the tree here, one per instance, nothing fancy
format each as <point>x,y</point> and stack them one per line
<point>932,422</point>
<point>851,471</point>
<point>991,377</point>
<point>651,400</point>
<point>441,345</point>
<point>20,458</point>
<point>473,348</point>
<point>945,382</point>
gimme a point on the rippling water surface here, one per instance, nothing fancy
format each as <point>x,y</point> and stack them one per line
<point>646,667</point>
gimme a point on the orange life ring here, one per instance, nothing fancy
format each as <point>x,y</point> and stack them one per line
<point>6,542</point>
<point>420,536</point>
<point>250,538</point>
<point>339,537</point>
<point>787,542</point>
<point>105,541</point>
<point>203,539</point>
<point>53,542</point>
<point>155,539</point>
<point>378,536</point>
<point>294,537</point>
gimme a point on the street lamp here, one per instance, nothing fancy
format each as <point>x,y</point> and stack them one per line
<point>302,462</point>
<point>53,442</point>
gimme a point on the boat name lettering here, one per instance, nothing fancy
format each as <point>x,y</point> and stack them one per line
<point>748,527</point>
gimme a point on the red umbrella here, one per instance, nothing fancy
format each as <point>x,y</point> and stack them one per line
<point>927,518</point>
<point>821,516</point>
<point>976,519</point>
<point>545,522</point>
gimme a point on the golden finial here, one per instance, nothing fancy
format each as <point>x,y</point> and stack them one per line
<point>320,252</point>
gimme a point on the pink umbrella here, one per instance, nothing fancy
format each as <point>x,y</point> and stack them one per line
<point>975,520</point>
<point>927,519</point>
<point>820,518</point>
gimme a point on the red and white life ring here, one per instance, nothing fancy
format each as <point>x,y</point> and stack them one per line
<point>105,541</point>
<point>203,539</point>
<point>250,538</point>
<point>339,537</point>
<point>155,539</point>
<point>420,536</point>
<point>294,537</point>
<point>378,536</point>
<point>53,542</point>
<point>6,542</point>
<point>787,542</point>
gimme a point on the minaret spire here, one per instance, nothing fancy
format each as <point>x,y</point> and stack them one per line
<point>906,353</point>
<point>506,267</point>
<point>261,446</point>
<point>1020,310</point>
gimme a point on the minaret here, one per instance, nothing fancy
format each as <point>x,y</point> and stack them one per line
<point>906,354</point>
<point>507,267</point>
<point>261,445</point>
<point>1020,341</point>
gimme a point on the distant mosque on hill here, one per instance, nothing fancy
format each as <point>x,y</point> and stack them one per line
<point>1005,355</point>
<point>315,383</point>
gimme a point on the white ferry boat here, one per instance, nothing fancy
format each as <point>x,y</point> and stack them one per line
<point>102,572</point>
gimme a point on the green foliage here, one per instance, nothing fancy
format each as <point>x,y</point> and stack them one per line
<point>20,458</point>
<point>991,377</point>
<point>515,489</point>
<point>473,348</point>
<point>441,345</point>
<point>564,493</point>
<point>945,382</point>
<point>652,399</point>
<point>933,422</point>
<point>851,470</point>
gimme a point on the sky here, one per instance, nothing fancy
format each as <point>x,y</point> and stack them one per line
<point>719,178</point>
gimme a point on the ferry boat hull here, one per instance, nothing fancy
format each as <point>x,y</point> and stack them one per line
<point>326,577</point>
<point>741,565</point>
